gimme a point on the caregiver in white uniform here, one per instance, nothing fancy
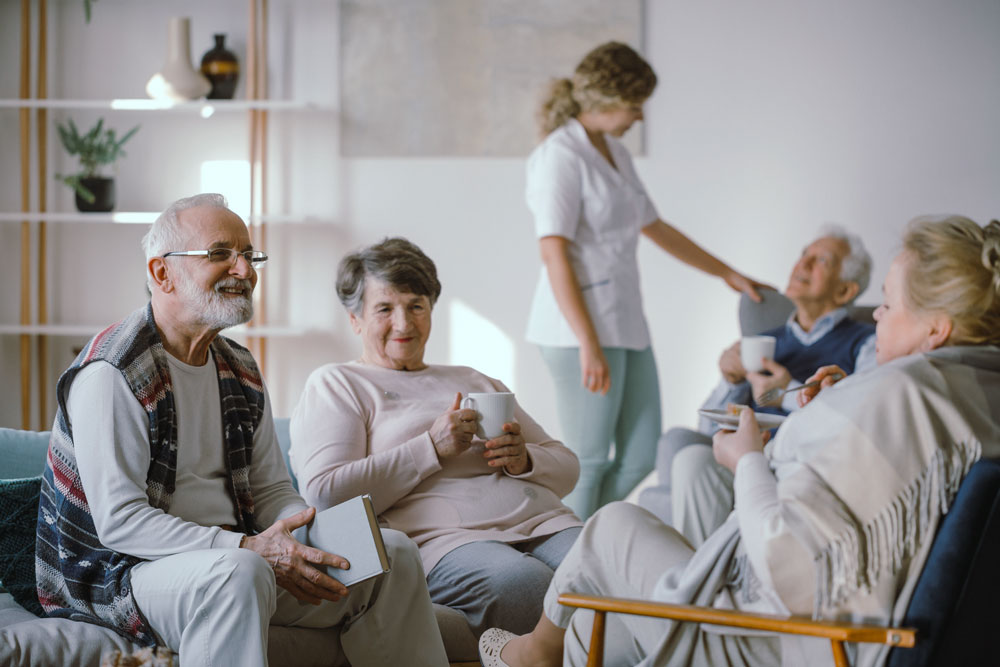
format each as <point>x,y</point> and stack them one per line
<point>589,208</point>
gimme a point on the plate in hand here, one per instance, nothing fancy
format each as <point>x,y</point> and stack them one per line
<point>728,420</point>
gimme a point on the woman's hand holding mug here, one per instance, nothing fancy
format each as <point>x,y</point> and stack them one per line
<point>509,451</point>
<point>452,432</point>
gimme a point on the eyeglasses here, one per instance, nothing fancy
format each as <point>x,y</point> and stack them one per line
<point>254,258</point>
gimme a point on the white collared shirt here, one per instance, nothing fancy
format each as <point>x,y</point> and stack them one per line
<point>573,192</point>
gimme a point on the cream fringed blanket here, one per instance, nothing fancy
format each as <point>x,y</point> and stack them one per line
<point>862,478</point>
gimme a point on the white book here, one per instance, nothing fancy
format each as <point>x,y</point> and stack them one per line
<point>350,530</point>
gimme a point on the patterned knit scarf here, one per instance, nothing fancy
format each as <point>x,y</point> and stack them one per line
<point>80,578</point>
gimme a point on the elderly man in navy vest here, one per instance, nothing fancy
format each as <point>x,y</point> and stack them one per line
<point>693,493</point>
<point>167,511</point>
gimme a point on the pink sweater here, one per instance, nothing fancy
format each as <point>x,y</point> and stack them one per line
<point>364,429</point>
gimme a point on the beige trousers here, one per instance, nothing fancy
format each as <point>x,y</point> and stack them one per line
<point>621,552</point>
<point>213,607</point>
<point>701,493</point>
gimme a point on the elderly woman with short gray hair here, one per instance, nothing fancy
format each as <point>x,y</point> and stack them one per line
<point>486,515</point>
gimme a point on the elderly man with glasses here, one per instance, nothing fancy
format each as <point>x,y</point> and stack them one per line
<point>167,512</point>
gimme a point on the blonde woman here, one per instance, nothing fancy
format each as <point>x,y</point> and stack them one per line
<point>589,208</point>
<point>835,517</point>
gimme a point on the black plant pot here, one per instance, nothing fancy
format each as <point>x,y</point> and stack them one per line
<point>104,195</point>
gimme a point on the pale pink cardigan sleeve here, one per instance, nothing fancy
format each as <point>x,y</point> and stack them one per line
<point>330,437</point>
<point>331,460</point>
<point>553,465</point>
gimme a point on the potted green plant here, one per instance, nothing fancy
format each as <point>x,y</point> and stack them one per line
<point>99,146</point>
<point>86,8</point>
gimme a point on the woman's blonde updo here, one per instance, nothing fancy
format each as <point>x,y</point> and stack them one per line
<point>612,75</point>
<point>953,268</point>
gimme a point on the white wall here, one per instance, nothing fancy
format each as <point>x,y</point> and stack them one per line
<point>770,118</point>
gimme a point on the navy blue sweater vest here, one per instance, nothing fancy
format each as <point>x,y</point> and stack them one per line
<point>840,346</point>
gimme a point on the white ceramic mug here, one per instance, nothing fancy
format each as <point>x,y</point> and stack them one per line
<point>755,348</point>
<point>492,410</point>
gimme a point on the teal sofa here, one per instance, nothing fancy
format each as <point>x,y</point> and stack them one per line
<point>29,641</point>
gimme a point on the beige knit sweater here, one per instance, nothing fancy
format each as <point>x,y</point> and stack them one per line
<point>364,429</point>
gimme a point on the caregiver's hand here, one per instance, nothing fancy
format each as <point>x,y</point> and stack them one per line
<point>742,283</point>
<point>596,375</point>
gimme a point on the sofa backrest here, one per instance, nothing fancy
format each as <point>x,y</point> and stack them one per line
<point>281,426</point>
<point>774,309</point>
<point>22,453</point>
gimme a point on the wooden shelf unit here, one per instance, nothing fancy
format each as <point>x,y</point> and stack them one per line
<point>33,272</point>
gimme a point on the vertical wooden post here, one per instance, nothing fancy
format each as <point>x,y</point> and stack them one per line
<point>261,241</point>
<point>25,125</point>
<point>839,653</point>
<point>257,90</point>
<point>252,56</point>
<point>42,122</point>
<point>595,658</point>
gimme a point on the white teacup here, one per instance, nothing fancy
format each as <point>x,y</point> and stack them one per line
<point>755,348</point>
<point>493,411</point>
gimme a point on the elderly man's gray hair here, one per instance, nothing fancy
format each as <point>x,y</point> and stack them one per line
<point>395,261</point>
<point>856,267</point>
<point>165,234</point>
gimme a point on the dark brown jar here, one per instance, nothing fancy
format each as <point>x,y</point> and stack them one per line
<point>222,70</point>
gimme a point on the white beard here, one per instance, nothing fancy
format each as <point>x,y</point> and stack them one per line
<point>212,309</point>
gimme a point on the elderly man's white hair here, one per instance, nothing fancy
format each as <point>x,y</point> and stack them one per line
<point>165,234</point>
<point>856,267</point>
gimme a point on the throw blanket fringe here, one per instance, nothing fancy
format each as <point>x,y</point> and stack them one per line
<point>856,557</point>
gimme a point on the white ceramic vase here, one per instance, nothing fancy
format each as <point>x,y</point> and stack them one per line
<point>178,80</point>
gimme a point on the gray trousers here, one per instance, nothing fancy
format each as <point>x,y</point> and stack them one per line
<point>500,585</point>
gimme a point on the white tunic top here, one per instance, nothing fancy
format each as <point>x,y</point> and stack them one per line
<point>575,193</point>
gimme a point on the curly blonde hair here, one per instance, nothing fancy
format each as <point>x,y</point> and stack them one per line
<point>953,268</point>
<point>610,76</point>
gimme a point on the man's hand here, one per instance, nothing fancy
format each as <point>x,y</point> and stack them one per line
<point>731,366</point>
<point>452,432</point>
<point>509,450</point>
<point>760,383</point>
<point>295,564</point>
<point>730,446</point>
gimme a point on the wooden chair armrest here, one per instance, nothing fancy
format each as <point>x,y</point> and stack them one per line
<point>834,631</point>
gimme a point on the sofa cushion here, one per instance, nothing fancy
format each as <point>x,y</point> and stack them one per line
<point>18,515</point>
<point>22,453</point>
<point>58,641</point>
<point>27,641</point>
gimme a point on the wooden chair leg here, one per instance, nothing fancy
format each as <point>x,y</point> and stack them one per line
<point>839,654</point>
<point>596,656</point>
